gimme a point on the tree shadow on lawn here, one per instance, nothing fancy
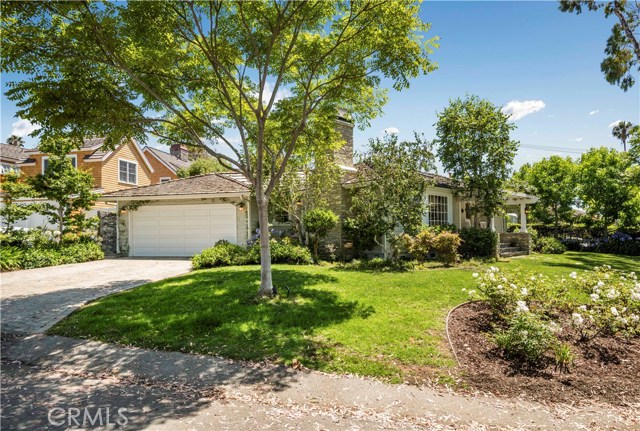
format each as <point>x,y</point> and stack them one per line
<point>216,312</point>
<point>592,259</point>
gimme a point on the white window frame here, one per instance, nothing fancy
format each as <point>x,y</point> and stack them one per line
<point>164,180</point>
<point>71,156</point>
<point>449,197</point>
<point>136,171</point>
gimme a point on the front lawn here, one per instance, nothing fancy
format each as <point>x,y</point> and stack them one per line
<point>385,324</point>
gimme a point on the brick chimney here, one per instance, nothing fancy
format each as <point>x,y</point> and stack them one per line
<point>344,125</point>
<point>180,151</point>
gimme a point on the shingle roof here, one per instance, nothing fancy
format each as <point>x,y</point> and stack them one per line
<point>198,185</point>
<point>12,153</point>
<point>167,158</point>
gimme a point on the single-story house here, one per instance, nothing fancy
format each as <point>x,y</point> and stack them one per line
<point>184,216</point>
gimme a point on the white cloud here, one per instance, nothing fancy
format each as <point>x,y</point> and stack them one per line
<point>23,127</point>
<point>578,139</point>
<point>268,91</point>
<point>517,109</point>
<point>391,131</point>
<point>614,124</point>
<point>594,112</point>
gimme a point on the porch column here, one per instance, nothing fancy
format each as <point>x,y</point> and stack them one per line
<point>492,223</point>
<point>523,218</point>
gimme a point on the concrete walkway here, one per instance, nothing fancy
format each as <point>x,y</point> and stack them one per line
<point>175,391</point>
<point>33,300</point>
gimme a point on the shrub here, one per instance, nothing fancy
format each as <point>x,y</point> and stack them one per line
<point>513,227</point>
<point>318,222</point>
<point>446,245</point>
<point>422,244</point>
<point>222,253</point>
<point>549,245</point>
<point>282,252</point>
<point>401,244</point>
<point>12,258</point>
<point>478,242</point>
<point>527,338</point>
<point>613,306</point>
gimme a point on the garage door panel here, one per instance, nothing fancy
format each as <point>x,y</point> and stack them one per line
<point>180,230</point>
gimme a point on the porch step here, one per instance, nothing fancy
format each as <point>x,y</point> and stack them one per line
<point>508,248</point>
<point>517,252</point>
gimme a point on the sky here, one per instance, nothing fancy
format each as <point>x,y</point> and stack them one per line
<point>539,64</point>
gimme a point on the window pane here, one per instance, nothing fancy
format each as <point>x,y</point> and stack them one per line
<point>123,171</point>
<point>45,163</point>
<point>438,210</point>
<point>132,173</point>
<point>73,162</point>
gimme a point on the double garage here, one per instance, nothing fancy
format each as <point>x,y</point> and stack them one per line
<point>180,230</point>
<point>182,217</point>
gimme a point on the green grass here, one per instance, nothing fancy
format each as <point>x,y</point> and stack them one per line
<point>385,324</point>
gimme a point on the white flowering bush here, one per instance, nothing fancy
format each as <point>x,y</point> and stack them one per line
<point>527,337</point>
<point>529,309</point>
<point>613,304</point>
<point>508,293</point>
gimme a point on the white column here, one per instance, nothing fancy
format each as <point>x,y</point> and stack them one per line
<point>493,223</point>
<point>523,218</point>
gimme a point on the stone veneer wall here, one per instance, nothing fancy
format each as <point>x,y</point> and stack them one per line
<point>344,155</point>
<point>107,231</point>
<point>517,239</point>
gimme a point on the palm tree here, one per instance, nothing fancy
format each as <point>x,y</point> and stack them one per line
<point>621,131</point>
<point>15,141</point>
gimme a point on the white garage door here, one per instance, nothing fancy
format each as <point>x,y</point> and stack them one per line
<point>180,230</point>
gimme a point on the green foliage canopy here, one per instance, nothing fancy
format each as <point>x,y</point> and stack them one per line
<point>200,166</point>
<point>389,190</point>
<point>475,147</point>
<point>198,72</point>
<point>623,49</point>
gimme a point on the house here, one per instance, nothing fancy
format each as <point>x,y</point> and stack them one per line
<point>123,167</point>
<point>166,165</point>
<point>10,157</point>
<point>185,216</point>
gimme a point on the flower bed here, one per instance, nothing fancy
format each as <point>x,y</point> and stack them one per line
<point>537,335</point>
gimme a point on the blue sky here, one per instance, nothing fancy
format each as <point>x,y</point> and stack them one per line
<point>505,52</point>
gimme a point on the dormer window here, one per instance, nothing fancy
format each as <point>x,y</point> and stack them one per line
<point>45,162</point>
<point>128,172</point>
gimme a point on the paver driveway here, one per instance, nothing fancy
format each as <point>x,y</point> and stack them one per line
<point>34,300</point>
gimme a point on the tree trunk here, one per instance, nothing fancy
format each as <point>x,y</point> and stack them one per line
<point>60,220</point>
<point>266,282</point>
<point>555,214</point>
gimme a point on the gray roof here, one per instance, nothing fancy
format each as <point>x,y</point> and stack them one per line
<point>199,185</point>
<point>12,153</point>
<point>168,159</point>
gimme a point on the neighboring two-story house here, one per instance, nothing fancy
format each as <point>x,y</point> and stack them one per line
<point>123,167</point>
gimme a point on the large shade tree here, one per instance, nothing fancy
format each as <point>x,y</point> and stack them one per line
<point>254,83</point>
<point>622,62</point>
<point>604,184</point>
<point>554,182</point>
<point>474,145</point>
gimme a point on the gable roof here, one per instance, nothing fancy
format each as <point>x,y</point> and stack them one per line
<point>170,161</point>
<point>12,153</point>
<point>200,185</point>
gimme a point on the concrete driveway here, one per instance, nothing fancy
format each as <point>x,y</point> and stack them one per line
<point>34,300</point>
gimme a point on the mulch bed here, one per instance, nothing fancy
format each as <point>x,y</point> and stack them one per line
<point>606,370</point>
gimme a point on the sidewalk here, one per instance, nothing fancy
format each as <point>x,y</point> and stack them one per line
<point>201,392</point>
